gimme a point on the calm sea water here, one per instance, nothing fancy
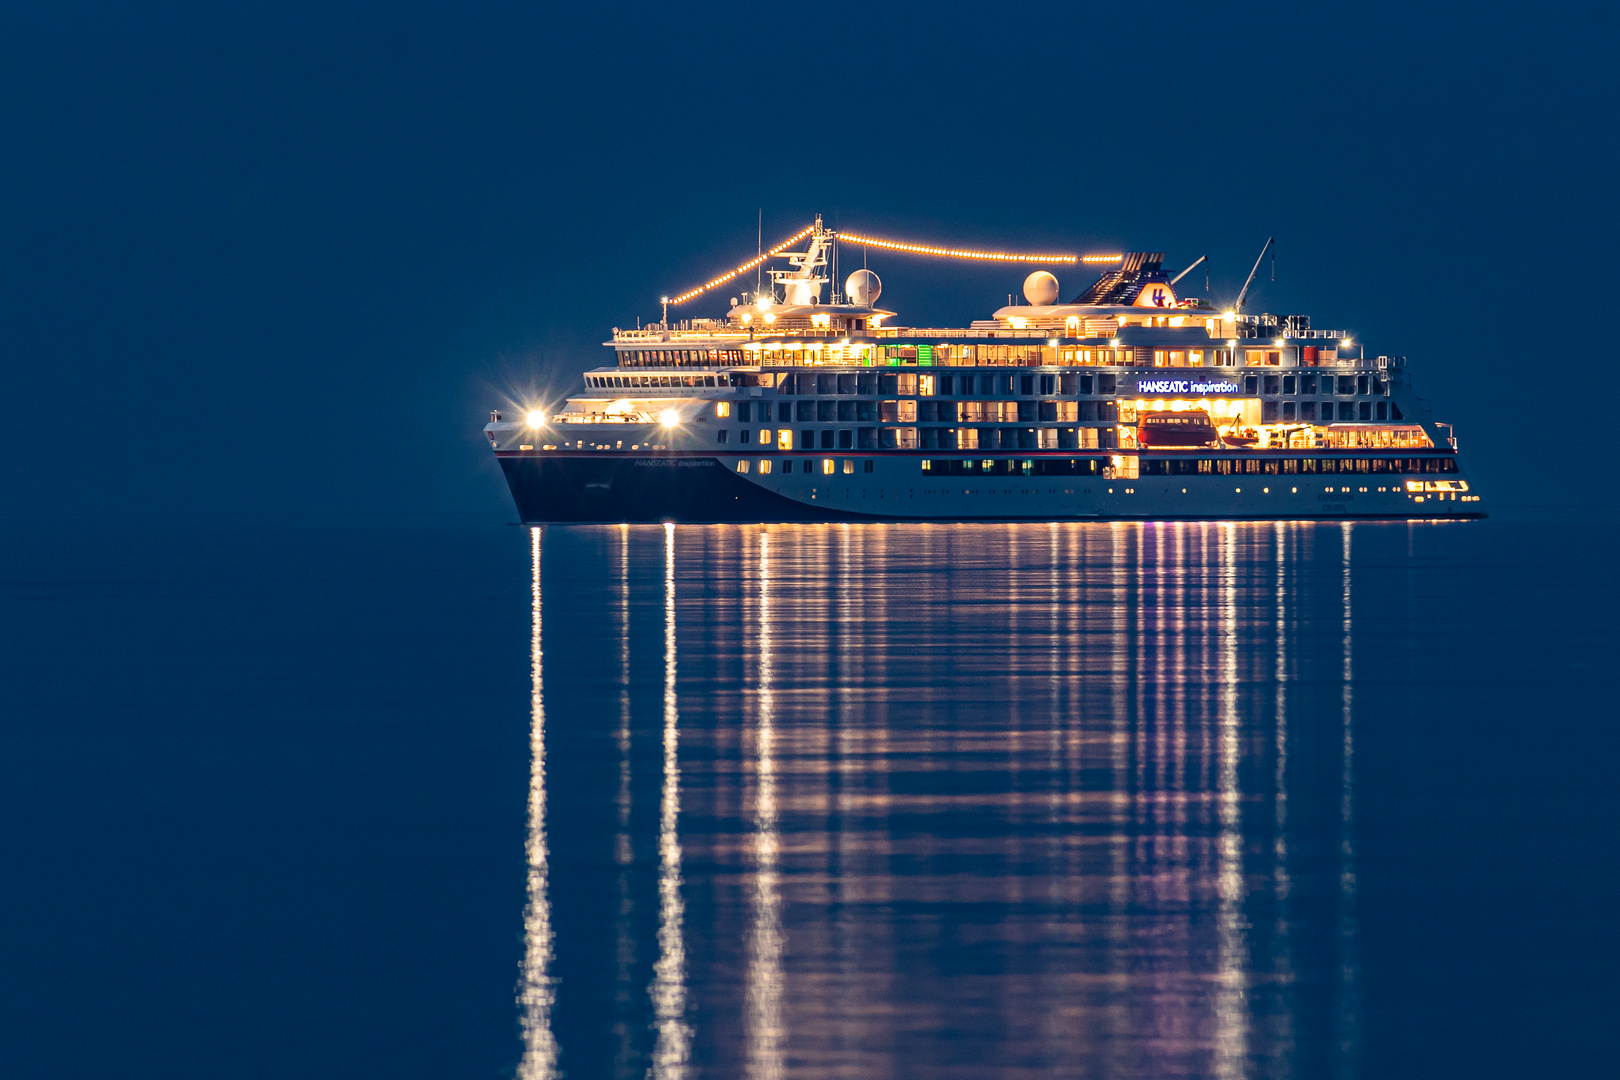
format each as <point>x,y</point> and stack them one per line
<point>944,801</point>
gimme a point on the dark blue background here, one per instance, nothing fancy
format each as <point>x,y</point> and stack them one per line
<point>282,257</point>
<point>263,784</point>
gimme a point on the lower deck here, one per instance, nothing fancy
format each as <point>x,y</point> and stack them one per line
<point>556,486</point>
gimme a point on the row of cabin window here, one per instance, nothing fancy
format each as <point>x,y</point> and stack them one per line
<point>908,411</point>
<point>1095,466</point>
<point>637,358</point>
<point>1069,385</point>
<point>927,438</point>
<point>910,384</point>
<point>1290,466</point>
<point>1310,382</point>
<point>1328,412</point>
<point>826,466</point>
<point>987,355</point>
<point>1014,467</point>
<point>637,382</point>
<point>1073,384</point>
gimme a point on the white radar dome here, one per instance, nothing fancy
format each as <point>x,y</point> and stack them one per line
<point>863,288</point>
<point>1041,289</point>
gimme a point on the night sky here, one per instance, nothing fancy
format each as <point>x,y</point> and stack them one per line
<point>278,258</point>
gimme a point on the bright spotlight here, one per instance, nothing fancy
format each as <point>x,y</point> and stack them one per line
<point>535,418</point>
<point>669,418</point>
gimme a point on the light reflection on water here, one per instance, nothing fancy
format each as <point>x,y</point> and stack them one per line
<point>1001,800</point>
<point>537,991</point>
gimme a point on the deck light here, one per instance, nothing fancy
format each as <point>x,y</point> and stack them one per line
<point>535,418</point>
<point>669,418</point>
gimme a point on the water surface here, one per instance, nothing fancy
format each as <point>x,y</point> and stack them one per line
<point>1293,799</point>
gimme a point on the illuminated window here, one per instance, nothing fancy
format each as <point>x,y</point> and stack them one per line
<point>765,467</point>
<point>722,408</point>
<point>827,466</point>
<point>784,439</point>
<point>742,466</point>
<point>849,467</point>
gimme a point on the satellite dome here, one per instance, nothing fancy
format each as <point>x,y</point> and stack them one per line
<point>864,287</point>
<point>1041,289</point>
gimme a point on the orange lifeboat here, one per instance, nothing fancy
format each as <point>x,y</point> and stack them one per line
<point>1192,430</point>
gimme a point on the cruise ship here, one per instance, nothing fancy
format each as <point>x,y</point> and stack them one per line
<point>1130,401</point>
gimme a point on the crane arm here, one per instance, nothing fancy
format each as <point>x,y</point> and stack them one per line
<point>1239,305</point>
<point>1189,270</point>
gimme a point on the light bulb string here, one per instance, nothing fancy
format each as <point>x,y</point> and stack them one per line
<point>900,246</point>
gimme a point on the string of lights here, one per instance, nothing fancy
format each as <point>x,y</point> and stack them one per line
<point>958,253</point>
<point>745,267</point>
<point>895,245</point>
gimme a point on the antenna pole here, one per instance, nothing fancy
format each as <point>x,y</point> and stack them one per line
<point>759,249</point>
<point>1239,305</point>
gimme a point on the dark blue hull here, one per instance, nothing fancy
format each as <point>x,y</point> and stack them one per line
<point>558,488</point>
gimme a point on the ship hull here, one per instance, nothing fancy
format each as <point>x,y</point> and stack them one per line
<point>558,488</point>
